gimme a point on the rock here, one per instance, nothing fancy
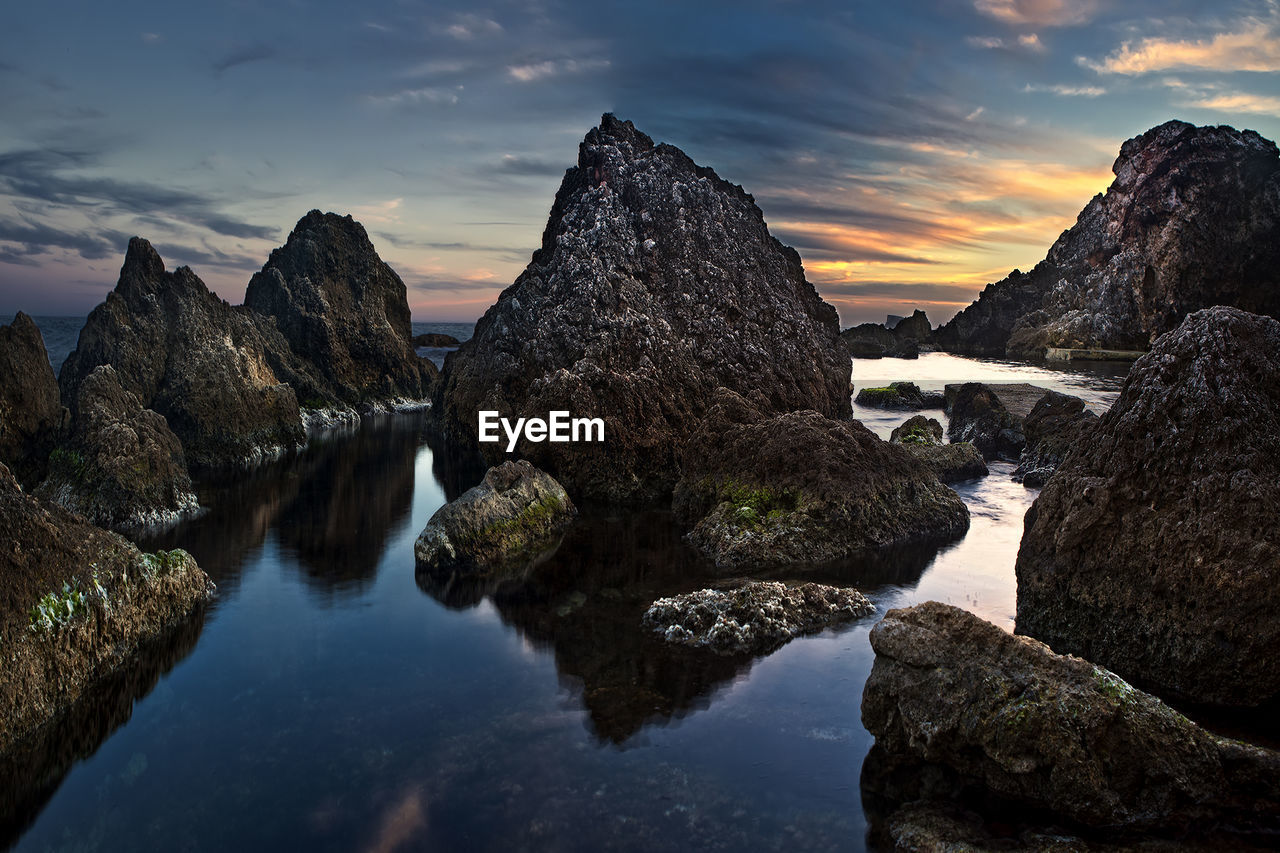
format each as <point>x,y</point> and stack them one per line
<point>31,414</point>
<point>1151,549</point>
<point>121,466</point>
<point>899,395</point>
<point>1052,429</point>
<point>514,515</point>
<point>950,463</point>
<point>1051,732</point>
<point>762,489</point>
<point>914,328</point>
<point>435,339</point>
<point>872,340</point>
<point>75,605</point>
<point>657,283</point>
<point>1192,220</point>
<point>917,429</point>
<point>185,353</point>
<point>978,416</point>
<point>754,618</point>
<point>344,314</point>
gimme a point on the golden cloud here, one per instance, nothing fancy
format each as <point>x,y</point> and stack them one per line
<point>1253,47</point>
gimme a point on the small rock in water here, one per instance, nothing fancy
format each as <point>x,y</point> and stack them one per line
<point>899,395</point>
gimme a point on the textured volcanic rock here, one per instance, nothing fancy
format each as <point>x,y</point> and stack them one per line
<point>914,328</point>
<point>31,415</point>
<point>1152,549</point>
<point>344,313</point>
<point>905,396</point>
<point>951,463</point>
<point>435,339</point>
<point>514,515</point>
<point>657,283</point>
<point>121,466</point>
<point>799,487</point>
<point>917,429</point>
<point>191,357</point>
<point>753,618</point>
<point>1051,731</point>
<point>1192,220</point>
<point>1054,426</point>
<point>978,416</point>
<point>872,340</point>
<point>98,596</point>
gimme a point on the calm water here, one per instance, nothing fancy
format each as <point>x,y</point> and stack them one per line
<point>328,701</point>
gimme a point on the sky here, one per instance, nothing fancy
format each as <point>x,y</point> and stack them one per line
<point>911,152</point>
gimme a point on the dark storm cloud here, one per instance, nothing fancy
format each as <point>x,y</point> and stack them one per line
<point>36,239</point>
<point>243,56</point>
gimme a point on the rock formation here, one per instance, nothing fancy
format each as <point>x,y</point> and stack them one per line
<point>903,396</point>
<point>1151,550</point>
<point>872,340</point>
<point>917,429</point>
<point>31,415</point>
<point>1192,220</point>
<point>435,339</point>
<point>761,489</point>
<point>978,416</point>
<point>121,465</point>
<point>657,283</point>
<point>951,463</point>
<point>1054,426</point>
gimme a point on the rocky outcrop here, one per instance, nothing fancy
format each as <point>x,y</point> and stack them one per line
<point>657,282</point>
<point>753,618</point>
<point>185,353</point>
<point>75,604</point>
<point>344,314</point>
<point>1191,220</point>
<point>1151,549</point>
<point>872,340</point>
<point>1054,426</point>
<point>516,514</point>
<point>901,396</point>
<point>1056,733</point>
<point>977,416</point>
<point>31,415</point>
<point>121,466</point>
<point>435,339</point>
<point>914,328</point>
<point>950,463</point>
<point>917,429</point>
<point>762,489</point>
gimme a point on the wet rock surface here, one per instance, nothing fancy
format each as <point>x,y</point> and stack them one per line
<point>950,463</point>
<point>31,414</point>
<point>1151,549</point>
<point>121,466</point>
<point>753,618</point>
<point>1054,426</point>
<point>657,282</point>
<point>905,396</point>
<point>977,416</point>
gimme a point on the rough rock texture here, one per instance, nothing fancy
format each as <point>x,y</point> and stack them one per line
<point>872,340</point>
<point>1192,220</point>
<point>917,429</point>
<point>435,339</point>
<point>190,356</point>
<point>1152,549</point>
<point>905,396</point>
<point>802,488</point>
<point>914,328</point>
<point>1056,424</point>
<point>516,513</point>
<point>1054,732</point>
<point>31,415</point>
<point>121,466</point>
<point>657,282</point>
<point>978,416</point>
<point>343,312</point>
<point>754,618</point>
<point>119,598</point>
<point>951,463</point>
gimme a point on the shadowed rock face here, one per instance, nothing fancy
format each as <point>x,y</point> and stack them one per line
<point>31,415</point>
<point>657,282</point>
<point>343,311</point>
<point>1054,426</point>
<point>978,416</point>
<point>1192,220</point>
<point>1152,549</point>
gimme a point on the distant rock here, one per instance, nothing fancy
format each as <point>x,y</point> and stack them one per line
<point>904,396</point>
<point>657,283</point>
<point>435,339</point>
<point>31,414</point>
<point>1052,429</point>
<point>977,416</point>
<point>1192,220</point>
<point>1151,549</point>
<point>917,429</point>
<point>1051,732</point>
<point>753,618</point>
<point>914,328</point>
<point>514,515</point>
<point>121,466</point>
<point>872,340</point>
<point>767,489</point>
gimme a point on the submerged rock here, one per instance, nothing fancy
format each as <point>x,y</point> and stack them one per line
<point>121,466</point>
<point>1054,427</point>
<point>754,618</point>
<point>31,414</point>
<point>435,339</point>
<point>978,416</point>
<point>1053,732</point>
<point>802,488</point>
<point>1151,550</point>
<point>905,396</point>
<point>657,282</point>
<point>514,515</point>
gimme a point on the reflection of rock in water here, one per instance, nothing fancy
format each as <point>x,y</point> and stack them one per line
<point>587,600</point>
<point>456,468</point>
<point>31,772</point>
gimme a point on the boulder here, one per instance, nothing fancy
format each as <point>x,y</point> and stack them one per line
<point>516,514</point>
<point>657,282</point>
<point>977,416</point>
<point>1151,549</point>
<point>1054,426</point>
<point>768,489</point>
<point>31,414</point>
<point>917,429</point>
<point>950,463</point>
<point>121,466</point>
<point>1052,732</point>
<point>754,617</point>
<point>905,396</point>
<point>435,339</point>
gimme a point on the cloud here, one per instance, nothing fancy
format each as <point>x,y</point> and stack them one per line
<point>37,239</point>
<point>429,95</point>
<point>1031,41</point>
<point>152,38</point>
<point>1255,46</point>
<point>528,72</point>
<point>516,164</point>
<point>1066,91</point>
<point>1028,42</point>
<point>243,56</point>
<point>1238,103</point>
<point>1039,13</point>
<point>466,27</point>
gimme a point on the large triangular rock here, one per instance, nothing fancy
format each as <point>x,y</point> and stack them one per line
<point>31,414</point>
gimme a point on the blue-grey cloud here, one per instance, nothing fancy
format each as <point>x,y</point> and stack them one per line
<point>243,55</point>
